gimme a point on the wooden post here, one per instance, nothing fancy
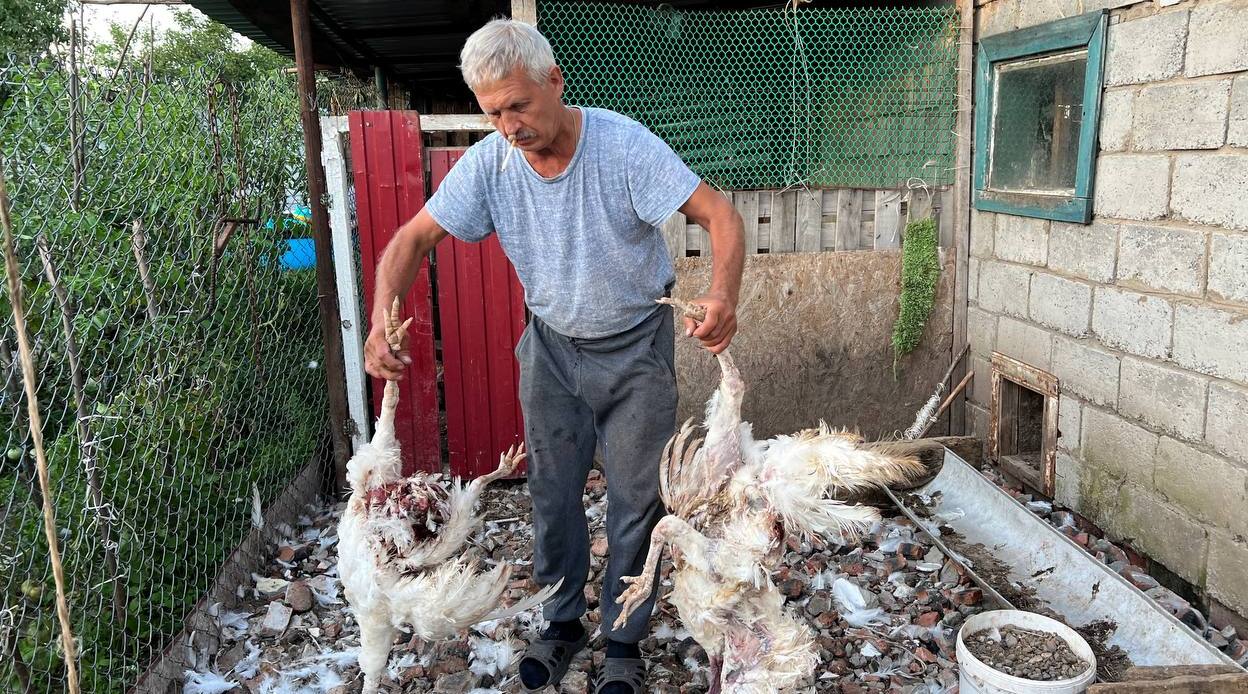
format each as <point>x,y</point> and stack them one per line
<point>383,88</point>
<point>327,293</point>
<point>960,208</point>
<point>524,11</point>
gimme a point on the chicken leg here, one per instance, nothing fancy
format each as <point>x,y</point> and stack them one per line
<point>694,546</point>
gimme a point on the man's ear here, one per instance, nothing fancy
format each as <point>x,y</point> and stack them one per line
<point>556,80</point>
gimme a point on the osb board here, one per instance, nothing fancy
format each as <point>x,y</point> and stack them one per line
<point>815,342</point>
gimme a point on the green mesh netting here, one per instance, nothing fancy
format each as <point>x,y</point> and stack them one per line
<point>766,98</point>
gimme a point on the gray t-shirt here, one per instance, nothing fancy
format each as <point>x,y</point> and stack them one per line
<point>586,244</point>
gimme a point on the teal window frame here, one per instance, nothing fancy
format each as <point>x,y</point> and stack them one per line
<point>1086,31</point>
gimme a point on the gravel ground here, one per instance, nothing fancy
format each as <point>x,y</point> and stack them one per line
<point>885,610</point>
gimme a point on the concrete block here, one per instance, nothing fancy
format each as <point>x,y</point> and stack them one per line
<point>1212,341</point>
<point>1069,414</point>
<point>1237,130</point>
<point>1227,415</point>
<point>981,331</point>
<point>1117,109</point>
<point>1086,370</point>
<point>1188,115</point>
<point>981,383</point>
<point>1087,251</point>
<point>1033,12</point>
<point>1217,41</point>
<point>983,232</point>
<point>1118,447</point>
<point>1161,259</point>
<point>1066,480</point>
<point>1210,189</point>
<point>996,18</point>
<point>978,420</point>
<point>1093,5</point>
<point>1206,486</point>
<point>1025,342</point>
<point>1163,532</point>
<point>1022,239</point>
<point>972,279</point>
<point>1061,304</point>
<point>1146,49</point>
<point>1132,186</point>
<point>1164,398</point>
<point>1100,495</point>
<point>1003,288</point>
<point>1228,267</point>
<point>1132,322</point>
<point>1228,571</point>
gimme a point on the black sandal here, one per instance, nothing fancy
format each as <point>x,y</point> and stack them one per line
<point>555,655</point>
<point>629,671</point>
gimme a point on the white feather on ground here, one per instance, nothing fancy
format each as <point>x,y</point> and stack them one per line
<point>853,604</point>
<point>206,683</point>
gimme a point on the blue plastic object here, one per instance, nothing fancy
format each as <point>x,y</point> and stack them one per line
<point>300,254</point>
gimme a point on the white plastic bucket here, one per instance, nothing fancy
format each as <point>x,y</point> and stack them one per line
<point>977,676</point>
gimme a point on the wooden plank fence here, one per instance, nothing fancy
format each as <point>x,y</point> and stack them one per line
<point>807,220</point>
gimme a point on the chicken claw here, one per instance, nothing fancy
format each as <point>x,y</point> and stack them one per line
<point>396,332</point>
<point>694,311</point>
<point>638,591</point>
<point>507,464</point>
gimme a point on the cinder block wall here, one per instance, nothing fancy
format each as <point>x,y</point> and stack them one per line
<point>1143,316</point>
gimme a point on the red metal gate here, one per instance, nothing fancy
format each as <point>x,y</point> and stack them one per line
<point>389,175</point>
<point>481,313</point>
<point>480,307</point>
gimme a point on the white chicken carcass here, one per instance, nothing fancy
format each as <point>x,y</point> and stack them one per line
<point>399,538</point>
<point>731,501</point>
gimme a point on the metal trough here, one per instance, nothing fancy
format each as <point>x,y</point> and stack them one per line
<point>1070,581</point>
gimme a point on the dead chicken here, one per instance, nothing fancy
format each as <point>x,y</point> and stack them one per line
<point>731,501</point>
<point>399,544</point>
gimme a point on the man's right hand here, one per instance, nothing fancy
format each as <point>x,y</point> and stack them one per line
<point>380,360</point>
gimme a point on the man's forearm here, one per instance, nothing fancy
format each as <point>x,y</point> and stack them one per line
<point>396,271</point>
<point>727,255</point>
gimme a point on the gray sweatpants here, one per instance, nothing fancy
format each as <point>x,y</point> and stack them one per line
<point>619,392</point>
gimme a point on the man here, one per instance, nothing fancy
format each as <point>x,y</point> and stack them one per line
<point>577,208</point>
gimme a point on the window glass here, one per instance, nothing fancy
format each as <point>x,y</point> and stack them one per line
<point>1037,114</point>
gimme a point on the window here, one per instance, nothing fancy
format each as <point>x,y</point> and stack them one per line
<point>1038,104</point>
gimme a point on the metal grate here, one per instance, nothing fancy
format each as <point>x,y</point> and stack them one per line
<point>777,97</point>
<point>178,353</point>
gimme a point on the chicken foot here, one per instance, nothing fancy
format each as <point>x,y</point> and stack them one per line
<point>694,546</point>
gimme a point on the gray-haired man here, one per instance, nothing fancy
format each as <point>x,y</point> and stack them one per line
<point>577,211</point>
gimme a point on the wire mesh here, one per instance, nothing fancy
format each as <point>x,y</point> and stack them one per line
<point>860,97</point>
<point>173,316</point>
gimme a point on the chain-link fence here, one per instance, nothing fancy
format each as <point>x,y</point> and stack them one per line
<point>856,97</point>
<point>171,302</point>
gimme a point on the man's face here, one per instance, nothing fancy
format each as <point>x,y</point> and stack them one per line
<point>517,106</point>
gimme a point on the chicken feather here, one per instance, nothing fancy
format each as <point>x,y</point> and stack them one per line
<point>400,539</point>
<point>731,501</point>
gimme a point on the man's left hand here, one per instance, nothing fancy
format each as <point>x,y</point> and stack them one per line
<point>720,324</point>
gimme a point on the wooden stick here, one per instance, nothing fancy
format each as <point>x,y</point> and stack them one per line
<point>86,440</point>
<point>36,436</point>
<point>326,287</point>
<point>138,242</point>
<point>948,400</point>
<point>125,48</point>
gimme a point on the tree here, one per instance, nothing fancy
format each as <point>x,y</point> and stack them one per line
<point>194,43</point>
<point>28,27</point>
